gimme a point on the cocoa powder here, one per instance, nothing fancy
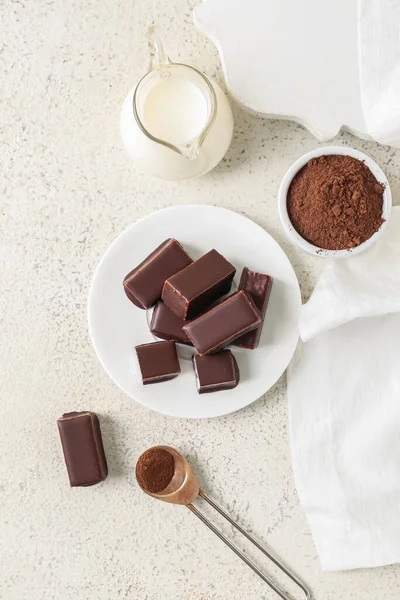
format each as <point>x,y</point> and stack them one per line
<point>155,470</point>
<point>335,202</point>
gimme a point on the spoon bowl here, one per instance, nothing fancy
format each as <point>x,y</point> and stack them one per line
<point>183,487</point>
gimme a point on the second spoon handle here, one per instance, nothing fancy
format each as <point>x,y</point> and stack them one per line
<point>241,555</point>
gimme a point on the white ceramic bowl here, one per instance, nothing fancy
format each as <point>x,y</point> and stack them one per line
<point>291,232</point>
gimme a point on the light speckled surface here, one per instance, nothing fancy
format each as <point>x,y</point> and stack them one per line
<point>67,189</point>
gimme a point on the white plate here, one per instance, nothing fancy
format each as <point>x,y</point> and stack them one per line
<point>116,326</point>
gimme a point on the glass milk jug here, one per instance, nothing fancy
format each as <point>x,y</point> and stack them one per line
<point>175,123</point>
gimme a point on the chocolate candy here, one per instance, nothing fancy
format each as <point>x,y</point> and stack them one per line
<point>223,323</point>
<point>259,287</point>
<point>144,284</point>
<point>158,362</point>
<point>83,448</point>
<point>191,290</point>
<point>167,326</point>
<point>216,372</point>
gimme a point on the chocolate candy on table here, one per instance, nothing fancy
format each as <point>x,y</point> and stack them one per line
<point>83,448</point>
<point>158,361</point>
<point>194,288</point>
<point>216,372</point>
<point>144,284</point>
<point>259,287</point>
<point>228,320</point>
<point>167,325</point>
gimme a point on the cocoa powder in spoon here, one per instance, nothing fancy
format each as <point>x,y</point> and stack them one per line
<point>335,202</point>
<point>155,470</point>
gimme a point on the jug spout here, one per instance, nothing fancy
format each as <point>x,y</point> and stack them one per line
<point>158,54</point>
<point>191,151</point>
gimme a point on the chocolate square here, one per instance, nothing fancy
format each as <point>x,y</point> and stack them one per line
<point>193,289</point>
<point>258,286</point>
<point>83,448</point>
<point>158,361</point>
<point>144,284</point>
<point>225,322</point>
<point>216,372</point>
<point>167,325</point>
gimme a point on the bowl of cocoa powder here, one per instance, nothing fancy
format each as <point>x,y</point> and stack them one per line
<point>334,202</point>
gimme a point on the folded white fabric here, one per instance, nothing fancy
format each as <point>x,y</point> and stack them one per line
<point>379,63</point>
<point>344,401</point>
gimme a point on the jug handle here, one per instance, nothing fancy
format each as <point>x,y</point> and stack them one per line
<point>158,55</point>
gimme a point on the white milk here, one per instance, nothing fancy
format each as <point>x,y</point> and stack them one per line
<point>175,110</point>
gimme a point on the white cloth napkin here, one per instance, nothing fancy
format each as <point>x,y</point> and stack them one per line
<point>344,401</point>
<point>379,63</point>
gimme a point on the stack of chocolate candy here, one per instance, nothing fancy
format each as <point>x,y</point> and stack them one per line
<point>185,293</point>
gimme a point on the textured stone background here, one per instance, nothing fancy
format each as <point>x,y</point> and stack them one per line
<point>67,189</point>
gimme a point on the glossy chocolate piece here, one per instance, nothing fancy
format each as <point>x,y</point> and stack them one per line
<point>83,448</point>
<point>259,286</point>
<point>216,372</point>
<point>168,326</point>
<point>224,323</point>
<point>158,361</point>
<point>144,284</point>
<point>197,286</point>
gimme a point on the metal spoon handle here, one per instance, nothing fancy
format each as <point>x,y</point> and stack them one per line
<point>280,565</point>
<point>241,555</point>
